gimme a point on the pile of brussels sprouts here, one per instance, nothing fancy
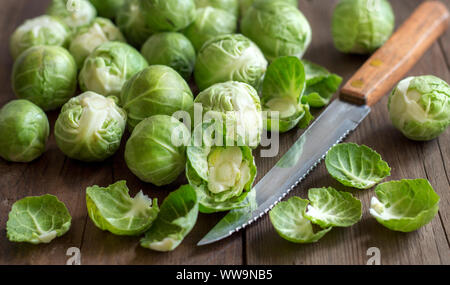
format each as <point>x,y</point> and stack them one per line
<point>135,62</point>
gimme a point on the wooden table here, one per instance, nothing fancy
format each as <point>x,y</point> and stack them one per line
<point>259,244</point>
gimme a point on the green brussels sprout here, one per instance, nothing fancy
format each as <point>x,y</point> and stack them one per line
<point>420,107</point>
<point>131,21</point>
<point>168,15</point>
<point>231,6</point>
<point>43,30</point>
<point>156,90</point>
<point>246,4</point>
<point>90,127</point>
<point>88,38</point>
<point>362,26</point>
<point>238,105</point>
<point>109,66</point>
<point>108,8</point>
<point>45,75</point>
<point>229,58</point>
<point>278,28</point>
<point>171,49</point>
<point>24,131</point>
<point>209,23</point>
<point>74,13</point>
<point>156,150</point>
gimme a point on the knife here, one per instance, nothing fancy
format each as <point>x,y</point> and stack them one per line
<point>367,86</point>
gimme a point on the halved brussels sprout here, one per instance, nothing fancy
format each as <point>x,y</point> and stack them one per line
<point>278,28</point>
<point>231,6</point>
<point>74,13</point>
<point>156,90</point>
<point>24,131</point>
<point>88,38</point>
<point>156,150</point>
<point>229,58</point>
<point>43,30</point>
<point>108,8</point>
<point>112,209</point>
<point>246,4</point>
<point>238,105</point>
<point>209,23</point>
<point>168,15</point>
<point>362,26</point>
<point>171,49</point>
<point>109,66</point>
<point>131,21</point>
<point>420,107</point>
<point>90,127</point>
<point>45,75</point>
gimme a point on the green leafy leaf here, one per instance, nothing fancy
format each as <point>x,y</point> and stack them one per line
<point>113,209</point>
<point>332,208</point>
<point>356,166</point>
<point>288,219</point>
<point>178,216</point>
<point>405,205</point>
<point>37,220</point>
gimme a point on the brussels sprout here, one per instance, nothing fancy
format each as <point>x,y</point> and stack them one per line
<point>24,131</point>
<point>245,4</point>
<point>171,49</point>
<point>108,8</point>
<point>231,6</point>
<point>90,127</point>
<point>156,150</point>
<point>43,30</point>
<point>209,23</point>
<point>74,13</point>
<point>239,106</point>
<point>229,58</point>
<point>362,26</point>
<point>45,75</point>
<point>87,39</point>
<point>278,28</point>
<point>156,90</point>
<point>109,66</point>
<point>131,21</point>
<point>420,107</point>
<point>168,15</point>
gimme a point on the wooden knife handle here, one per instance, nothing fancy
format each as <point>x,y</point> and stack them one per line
<point>398,55</point>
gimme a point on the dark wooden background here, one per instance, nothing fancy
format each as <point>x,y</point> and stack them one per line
<point>259,244</point>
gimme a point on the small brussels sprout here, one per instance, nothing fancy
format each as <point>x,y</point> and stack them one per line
<point>278,28</point>
<point>88,38</point>
<point>24,131</point>
<point>74,13</point>
<point>362,26</point>
<point>156,150</point>
<point>131,21</point>
<point>244,5</point>
<point>108,8</point>
<point>229,58</point>
<point>231,6</point>
<point>171,49</point>
<point>420,107</point>
<point>209,23</point>
<point>239,106</point>
<point>45,75</point>
<point>168,15</point>
<point>109,66</point>
<point>43,30</point>
<point>90,127</point>
<point>156,90</point>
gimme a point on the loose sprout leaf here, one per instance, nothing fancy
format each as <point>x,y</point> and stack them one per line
<point>332,208</point>
<point>356,166</point>
<point>288,219</point>
<point>113,209</point>
<point>178,216</point>
<point>405,205</point>
<point>37,220</point>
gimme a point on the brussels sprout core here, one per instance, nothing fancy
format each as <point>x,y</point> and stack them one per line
<point>81,13</point>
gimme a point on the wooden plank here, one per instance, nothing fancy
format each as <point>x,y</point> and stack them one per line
<point>445,40</point>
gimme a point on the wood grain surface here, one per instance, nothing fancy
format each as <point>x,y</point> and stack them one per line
<point>259,244</point>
